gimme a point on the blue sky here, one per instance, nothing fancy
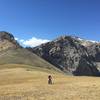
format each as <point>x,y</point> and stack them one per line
<point>47,19</point>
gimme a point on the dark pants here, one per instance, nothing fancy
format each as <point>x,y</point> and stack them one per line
<point>49,81</point>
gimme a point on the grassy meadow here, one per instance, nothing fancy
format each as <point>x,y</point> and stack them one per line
<point>22,83</point>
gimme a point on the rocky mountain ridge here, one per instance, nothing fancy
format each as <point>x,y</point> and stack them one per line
<point>68,54</point>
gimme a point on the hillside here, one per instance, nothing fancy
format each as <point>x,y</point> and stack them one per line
<point>68,54</point>
<point>12,53</point>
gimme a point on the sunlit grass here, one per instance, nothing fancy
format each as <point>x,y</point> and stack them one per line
<point>22,84</point>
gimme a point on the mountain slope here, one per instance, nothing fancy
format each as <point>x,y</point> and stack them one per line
<point>94,53</point>
<point>68,54</point>
<point>12,53</point>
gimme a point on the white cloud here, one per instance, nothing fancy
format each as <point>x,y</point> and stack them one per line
<point>21,40</point>
<point>32,42</point>
<point>16,38</point>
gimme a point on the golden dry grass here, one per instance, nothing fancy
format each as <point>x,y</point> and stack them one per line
<point>22,84</point>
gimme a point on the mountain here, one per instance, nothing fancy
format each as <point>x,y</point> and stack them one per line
<point>7,41</point>
<point>93,49</point>
<point>85,42</point>
<point>94,53</point>
<point>12,53</point>
<point>69,54</point>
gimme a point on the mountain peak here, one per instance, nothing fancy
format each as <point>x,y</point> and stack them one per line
<point>68,54</point>
<point>7,41</point>
<point>6,35</point>
<point>77,39</point>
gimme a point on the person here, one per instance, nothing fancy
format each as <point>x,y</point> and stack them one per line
<point>49,79</point>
